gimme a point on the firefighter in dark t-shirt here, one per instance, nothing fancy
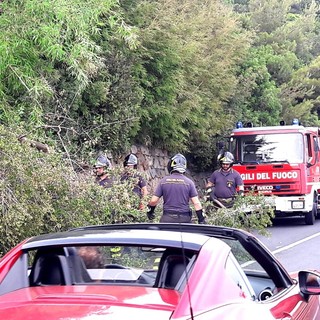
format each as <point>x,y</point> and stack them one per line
<point>131,174</point>
<point>225,183</point>
<point>177,191</point>
<point>100,169</point>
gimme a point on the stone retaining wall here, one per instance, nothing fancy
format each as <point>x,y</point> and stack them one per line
<point>153,163</point>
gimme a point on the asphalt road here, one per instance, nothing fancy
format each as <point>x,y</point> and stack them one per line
<point>295,244</point>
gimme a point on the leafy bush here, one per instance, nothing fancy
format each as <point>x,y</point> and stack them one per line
<point>41,193</point>
<point>252,212</point>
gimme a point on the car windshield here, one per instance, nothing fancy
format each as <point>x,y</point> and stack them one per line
<point>267,148</point>
<point>246,261</point>
<point>120,263</point>
<point>109,264</point>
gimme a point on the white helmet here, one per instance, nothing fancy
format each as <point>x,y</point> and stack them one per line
<point>130,160</point>
<point>177,163</point>
<point>102,161</point>
<point>227,158</point>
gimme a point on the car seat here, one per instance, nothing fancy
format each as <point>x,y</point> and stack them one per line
<point>172,266</point>
<point>50,269</point>
<point>78,269</point>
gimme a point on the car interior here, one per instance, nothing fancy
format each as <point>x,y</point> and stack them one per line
<point>64,266</point>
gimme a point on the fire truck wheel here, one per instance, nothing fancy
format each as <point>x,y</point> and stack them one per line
<point>310,216</point>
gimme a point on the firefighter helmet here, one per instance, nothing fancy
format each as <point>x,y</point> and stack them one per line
<point>227,158</point>
<point>102,161</point>
<point>130,160</point>
<point>177,163</point>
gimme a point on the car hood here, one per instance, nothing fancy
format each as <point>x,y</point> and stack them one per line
<point>88,302</point>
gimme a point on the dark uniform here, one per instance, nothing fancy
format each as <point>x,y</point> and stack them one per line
<point>225,184</point>
<point>176,190</point>
<point>101,169</point>
<point>139,182</point>
<point>106,182</point>
<point>130,174</point>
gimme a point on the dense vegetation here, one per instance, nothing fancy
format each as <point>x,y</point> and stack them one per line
<point>101,74</point>
<point>87,76</point>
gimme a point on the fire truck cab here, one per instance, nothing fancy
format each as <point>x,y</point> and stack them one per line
<point>281,161</point>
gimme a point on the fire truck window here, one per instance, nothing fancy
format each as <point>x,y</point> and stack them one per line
<point>309,146</point>
<point>316,144</point>
<point>250,153</point>
<point>316,148</point>
<point>268,148</point>
<point>311,154</point>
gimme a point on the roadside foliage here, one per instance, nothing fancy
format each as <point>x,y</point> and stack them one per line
<point>41,193</point>
<point>252,212</point>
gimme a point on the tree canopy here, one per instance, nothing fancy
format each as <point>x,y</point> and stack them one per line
<point>100,75</point>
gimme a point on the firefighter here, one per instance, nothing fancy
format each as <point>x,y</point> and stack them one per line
<point>131,174</point>
<point>177,190</point>
<point>225,183</point>
<point>101,169</point>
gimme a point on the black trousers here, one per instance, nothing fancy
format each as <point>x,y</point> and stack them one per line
<point>176,217</point>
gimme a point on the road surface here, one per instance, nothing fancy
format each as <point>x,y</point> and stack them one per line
<point>294,243</point>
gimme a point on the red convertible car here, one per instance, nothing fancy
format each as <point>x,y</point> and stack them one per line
<point>152,271</point>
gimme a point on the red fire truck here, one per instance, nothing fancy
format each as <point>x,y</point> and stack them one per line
<point>282,161</point>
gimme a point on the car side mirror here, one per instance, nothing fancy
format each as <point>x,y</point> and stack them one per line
<point>309,282</point>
